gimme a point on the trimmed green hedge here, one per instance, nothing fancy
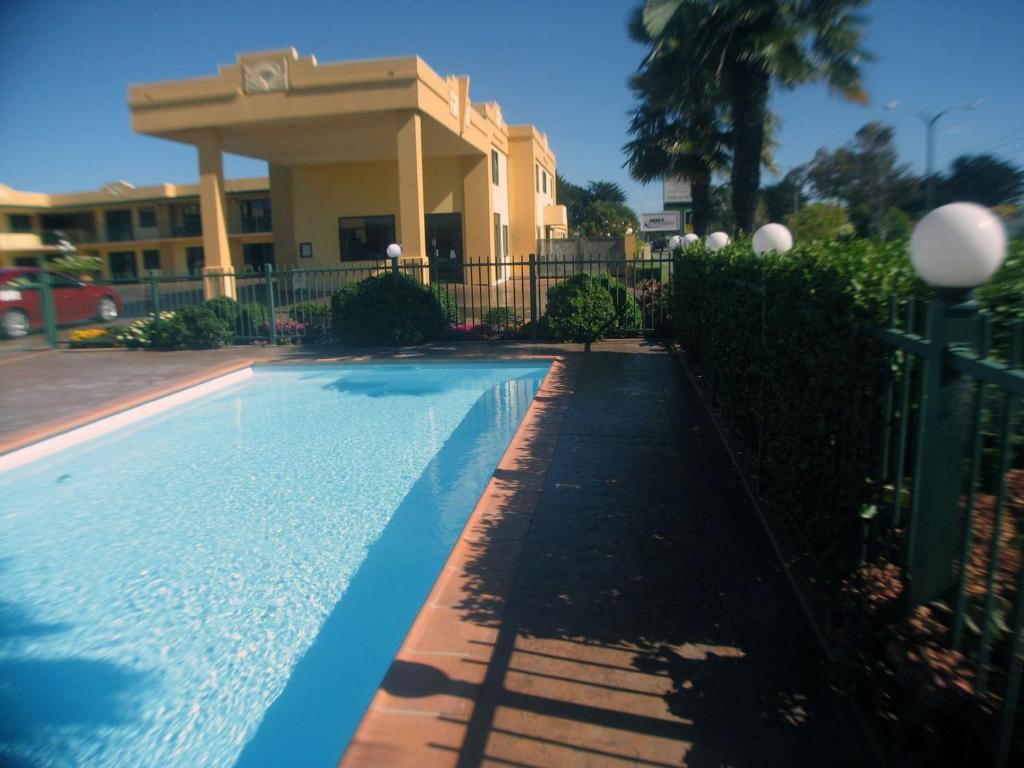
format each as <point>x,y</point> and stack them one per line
<point>580,309</point>
<point>628,315</point>
<point>812,385</point>
<point>389,310</point>
<point>193,327</point>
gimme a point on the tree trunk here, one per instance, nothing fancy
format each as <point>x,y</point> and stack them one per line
<point>749,108</point>
<point>700,187</point>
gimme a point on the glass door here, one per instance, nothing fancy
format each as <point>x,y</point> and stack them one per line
<point>444,246</point>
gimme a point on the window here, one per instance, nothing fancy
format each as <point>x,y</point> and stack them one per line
<point>494,166</point>
<point>537,174</point>
<point>58,280</point>
<point>544,180</point>
<point>504,241</point>
<point>21,222</point>
<point>195,260</point>
<point>497,236</point>
<point>365,237</point>
<point>256,255</point>
<point>189,222</point>
<point>147,218</point>
<point>119,225</point>
<point>151,260</point>
<point>122,265</point>
<point>255,215</point>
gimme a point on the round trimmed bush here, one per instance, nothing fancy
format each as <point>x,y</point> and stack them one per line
<point>580,309</point>
<point>628,314</point>
<point>388,310</point>
<point>192,327</point>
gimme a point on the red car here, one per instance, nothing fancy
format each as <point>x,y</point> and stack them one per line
<point>21,307</point>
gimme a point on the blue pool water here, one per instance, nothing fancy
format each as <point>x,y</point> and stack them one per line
<point>225,583</point>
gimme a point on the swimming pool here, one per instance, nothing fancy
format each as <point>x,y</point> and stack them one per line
<point>226,582</point>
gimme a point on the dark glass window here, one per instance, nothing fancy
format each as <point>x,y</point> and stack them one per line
<point>147,218</point>
<point>195,260</point>
<point>257,254</point>
<point>189,223</point>
<point>494,166</point>
<point>365,237</point>
<point>255,215</point>
<point>122,265</point>
<point>119,225</point>
<point>151,259</point>
<point>537,169</point>
<point>544,180</point>
<point>21,222</point>
<point>59,280</point>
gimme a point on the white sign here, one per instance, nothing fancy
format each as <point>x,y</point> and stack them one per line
<point>666,221</point>
<point>676,189</point>
<point>298,281</point>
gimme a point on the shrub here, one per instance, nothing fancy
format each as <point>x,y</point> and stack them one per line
<point>392,310</point>
<point>628,315</point>
<point>820,221</point>
<point>451,308</point>
<point>498,319</point>
<point>193,327</point>
<point>580,309</point>
<point>309,312</point>
<point>244,320</point>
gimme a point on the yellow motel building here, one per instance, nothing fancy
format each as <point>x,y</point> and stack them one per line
<point>360,154</point>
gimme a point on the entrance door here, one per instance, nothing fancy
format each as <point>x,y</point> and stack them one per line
<point>444,246</point>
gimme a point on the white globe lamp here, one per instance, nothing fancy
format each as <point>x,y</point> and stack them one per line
<point>394,251</point>
<point>717,240</point>
<point>960,245</point>
<point>772,237</point>
<point>675,242</point>
<point>689,239</point>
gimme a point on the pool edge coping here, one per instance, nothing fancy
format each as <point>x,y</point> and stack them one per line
<point>440,621</point>
<point>29,437</point>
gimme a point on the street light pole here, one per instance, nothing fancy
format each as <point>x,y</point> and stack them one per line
<point>929,167</point>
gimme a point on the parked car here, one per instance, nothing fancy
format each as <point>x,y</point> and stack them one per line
<point>21,306</point>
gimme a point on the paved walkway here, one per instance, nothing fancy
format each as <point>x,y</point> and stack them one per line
<point>647,622</point>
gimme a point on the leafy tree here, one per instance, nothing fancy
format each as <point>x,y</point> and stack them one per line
<point>865,175</point>
<point>574,197</point>
<point>606,191</point>
<point>821,222</point>
<point>983,179</point>
<point>787,196</point>
<point>604,219</point>
<point>752,45</point>
<point>598,210</point>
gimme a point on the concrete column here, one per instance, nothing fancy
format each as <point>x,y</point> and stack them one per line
<point>216,253</point>
<point>478,217</point>
<point>409,141</point>
<point>286,247</point>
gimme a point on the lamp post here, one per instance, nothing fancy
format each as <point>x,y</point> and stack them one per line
<point>954,248</point>
<point>929,124</point>
<point>772,237</point>
<point>394,253</point>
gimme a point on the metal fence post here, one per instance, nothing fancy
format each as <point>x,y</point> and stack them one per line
<point>268,271</point>
<point>46,302</point>
<point>154,295</point>
<point>533,296</point>
<point>943,445</point>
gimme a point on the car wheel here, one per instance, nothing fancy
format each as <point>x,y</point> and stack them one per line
<point>106,310</point>
<point>14,324</point>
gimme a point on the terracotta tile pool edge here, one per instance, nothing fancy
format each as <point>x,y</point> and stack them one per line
<point>28,437</point>
<point>460,647</point>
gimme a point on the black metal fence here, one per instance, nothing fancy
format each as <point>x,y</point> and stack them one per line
<point>491,299</point>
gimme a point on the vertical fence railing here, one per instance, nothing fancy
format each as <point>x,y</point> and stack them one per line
<point>483,299</point>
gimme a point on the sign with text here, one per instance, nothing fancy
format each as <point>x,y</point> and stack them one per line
<point>665,221</point>
<point>676,189</point>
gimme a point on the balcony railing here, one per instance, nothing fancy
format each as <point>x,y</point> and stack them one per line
<point>242,225</point>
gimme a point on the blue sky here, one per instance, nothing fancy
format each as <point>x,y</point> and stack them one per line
<point>562,65</point>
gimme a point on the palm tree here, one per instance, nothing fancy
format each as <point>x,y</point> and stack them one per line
<point>677,128</point>
<point>750,45</point>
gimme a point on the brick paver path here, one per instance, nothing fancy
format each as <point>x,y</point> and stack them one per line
<point>647,622</point>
